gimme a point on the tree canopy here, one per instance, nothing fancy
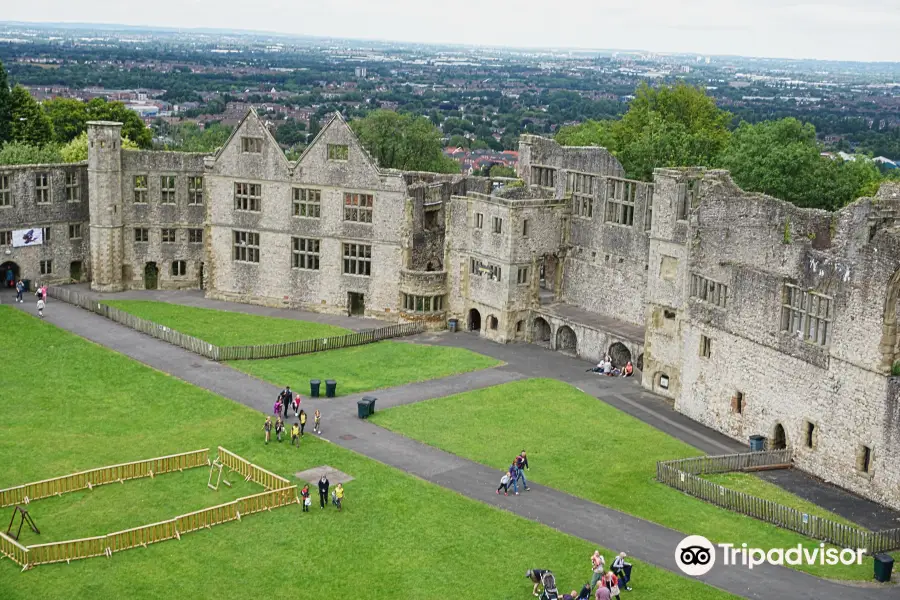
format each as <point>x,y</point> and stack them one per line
<point>77,149</point>
<point>5,107</point>
<point>403,141</point>
<point>29,123</point>
<point>70,117</point>
<point>20,153</point>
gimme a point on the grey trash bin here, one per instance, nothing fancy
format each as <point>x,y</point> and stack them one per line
<point>371,401</point>
<point>362,408</point>
<point>314,388</point>
<point>330,388</point>
<point>757,443</point>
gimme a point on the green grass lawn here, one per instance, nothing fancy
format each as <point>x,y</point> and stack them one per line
<point>69,405</point>
<point>588,448</point>
<point>224,328</point>
<point>370,367</point>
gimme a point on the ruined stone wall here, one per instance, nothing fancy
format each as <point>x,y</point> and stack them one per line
<point>539,151</point>
<point>20,209</point>
<point>151,209</point>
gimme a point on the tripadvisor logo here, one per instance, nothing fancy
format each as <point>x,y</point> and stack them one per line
<point>696,555</point>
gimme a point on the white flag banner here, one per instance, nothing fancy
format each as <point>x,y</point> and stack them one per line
<point>27,237</point>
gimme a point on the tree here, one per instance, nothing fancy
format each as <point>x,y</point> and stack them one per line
<point>403,141</point>
<point>5,107</point>
<point>782,158</point>
<point>672,126</point>
<point>20,153</point>
<point>29,123</point>
<point>502,171</point>
<point>77,149</point>
<point>69,117</point>
<point>291,133</point>
<point>133,127</point>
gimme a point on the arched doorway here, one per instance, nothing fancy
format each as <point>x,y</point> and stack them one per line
<point>520,330</point>
<point>779,439</point>
<point>474,320</point>
<point>566,341</point>
<point>619,354</point>
<point>5,268</point>
<point>542,331</point>
<point>151,276</point>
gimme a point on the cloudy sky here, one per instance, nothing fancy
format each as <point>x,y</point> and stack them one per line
<point>825,29</point>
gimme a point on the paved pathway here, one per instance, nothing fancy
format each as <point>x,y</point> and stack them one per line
<point>589,521</point>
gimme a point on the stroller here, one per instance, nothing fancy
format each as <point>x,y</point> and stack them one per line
<point>549,582</point>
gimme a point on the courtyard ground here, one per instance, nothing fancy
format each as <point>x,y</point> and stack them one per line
<point>70,405</point>
<point>590,449</point>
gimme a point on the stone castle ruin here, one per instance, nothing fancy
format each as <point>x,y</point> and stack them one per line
<point>751,315</point>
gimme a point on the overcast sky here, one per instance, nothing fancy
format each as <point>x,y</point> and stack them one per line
<point>825,29</point>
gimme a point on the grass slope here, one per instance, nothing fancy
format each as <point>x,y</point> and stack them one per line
<point>224,328</point>
<point>70,405</point>
<point>590,449</point>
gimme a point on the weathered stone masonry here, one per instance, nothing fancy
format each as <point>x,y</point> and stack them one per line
<point>752,315</point>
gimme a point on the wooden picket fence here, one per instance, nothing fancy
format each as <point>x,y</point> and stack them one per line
<point>222,353</point>
<point>29,492</point>
<point>683,476</point>
<point>281,493</point>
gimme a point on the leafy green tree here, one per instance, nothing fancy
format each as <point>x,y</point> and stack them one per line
<point>403,141</point>
<point>133,127</point>
<point>20,153</point>
<point>783,159</point>
<point>458,141</point>
<point>5,107</point>
<point>29,123</point>
<point>502,171</point>
<point>69,117</point>
<point>77,149</point>
<point>291,133</point>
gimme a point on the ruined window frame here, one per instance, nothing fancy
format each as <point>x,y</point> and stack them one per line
<point>708,290</point>
<point>808,313</point>
<point>581,186</point>
<point>689,199</point>
<point>245,246</point>
<point>6,237</point>
<point>141,235</point>
<point>525,227</point>
<point>195,190</point>
<point>357,259</point>
<point>75,231</point>
<point>5,190</point>
<point>42,193</point>
<point>705,346</point>
<point>497,225</point>
<point>338,152</point>
<point>648,211</point>
<point>168,235</point>
<point>522,276</point>
<point>167,189</point>
<point>45,234</point>
<point>423,304</point>
<point>46,267</point>
<point>140,185</point>
<point>305,253</point>
<point>359,207</point>
<point>247,196</point>
<point>543,176</point>
<point>73,186</point>
<point>479,220</point>
<point>178,268</point>
<point>620,202</point>
<point>251,145</point>
<point>195,236</point>
<point>307,202</point>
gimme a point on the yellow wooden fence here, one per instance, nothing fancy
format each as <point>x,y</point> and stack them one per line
<point>13,550</point>
<point>252,472</point>
<point>29,492</point>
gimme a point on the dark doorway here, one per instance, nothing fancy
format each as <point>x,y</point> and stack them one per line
<point>474,320</point>
<point>356,304</point>
<point>619,354</point>
<point>201,276</point>
<point>542,330</point>
<point>151,276</point>
<point>5,268</point>
<point>75,270</point>
<point>779,441</point>
<point>566,341</point>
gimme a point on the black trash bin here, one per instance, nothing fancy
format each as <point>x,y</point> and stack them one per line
<point>371,400</point>
<point>757,443</point>
<point>362,408</point>
<point>314,388</point>
<point>330,388</point>
<point>884,564</point>
<point>452,325</point>
<point>27,284</point>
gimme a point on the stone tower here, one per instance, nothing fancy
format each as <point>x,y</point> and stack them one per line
<point>105,183</point>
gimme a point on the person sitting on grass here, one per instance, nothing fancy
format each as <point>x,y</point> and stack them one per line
<point>268,428</point>
<point>295,435</point>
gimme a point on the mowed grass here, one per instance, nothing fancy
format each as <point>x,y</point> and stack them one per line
<point>588,448</point>
<point>225,328</point>
<point>69,405</point>
<point>370,367</point>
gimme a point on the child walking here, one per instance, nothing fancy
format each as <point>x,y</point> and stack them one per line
<point>296,402</point>
<point>268,429</point>
<point>304,496</point>
<point>279,428</point>
<point>302,422</point>
<point>504,485</point>
<point>40,307</point>
<point>317,422</point>
<point>295,435</point>
<point>339,496</point>
<point>277,408</point>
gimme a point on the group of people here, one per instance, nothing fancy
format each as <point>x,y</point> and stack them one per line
<point>337,495</point>
<point>514,474</point>
<point>606,367</point>
<point>286,398</point>
<point>19,286</point>
<point>604,585</point>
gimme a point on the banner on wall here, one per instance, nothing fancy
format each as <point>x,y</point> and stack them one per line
<point>27,237</point>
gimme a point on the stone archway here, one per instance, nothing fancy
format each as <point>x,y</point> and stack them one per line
<point>151,276</point>
<point>779,439</point>
<point>566,340</point>
<point>542,331</point>
<point>4,270</point>
<point>890,353</point>
<point>619,354</point>
<point>474,320</point>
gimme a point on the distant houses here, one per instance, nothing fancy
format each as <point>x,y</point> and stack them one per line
<point>472,160</point>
